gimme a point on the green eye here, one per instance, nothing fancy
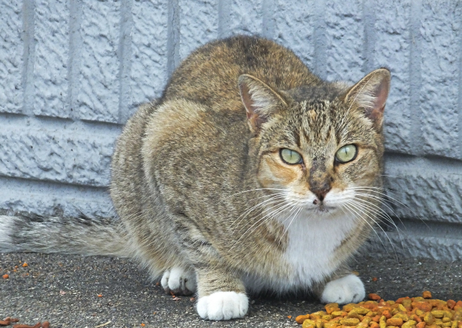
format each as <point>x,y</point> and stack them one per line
<point>290,157</point>
<point>346,154</point>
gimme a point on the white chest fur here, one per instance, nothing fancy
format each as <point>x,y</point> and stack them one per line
<point>310,255</point>
<point>313,239</point>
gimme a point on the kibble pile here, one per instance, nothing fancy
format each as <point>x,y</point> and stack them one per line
<point>405,312</point>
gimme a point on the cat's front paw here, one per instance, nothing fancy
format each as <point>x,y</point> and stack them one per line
<point>349,289</point>
<point>223,306</point>
<point>179,281</point>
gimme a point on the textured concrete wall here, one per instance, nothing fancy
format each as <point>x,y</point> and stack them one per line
<point>72,72</point>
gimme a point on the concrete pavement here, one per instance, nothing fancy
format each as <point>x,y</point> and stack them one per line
<point>76,292</point>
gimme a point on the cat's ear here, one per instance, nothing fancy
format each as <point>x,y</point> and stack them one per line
<point>371,93</point>
<point>259,99</point>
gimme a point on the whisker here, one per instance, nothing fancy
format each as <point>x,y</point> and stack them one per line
<point>394,251</point>
<point>257,189</point>
<point>370,194</point>
<point>363,202</point>
<point>277,211</point>
<point>273,199</point>
<point>292,220</point>
<point>260,221</point>
<point>295,209</point>
<point>360,208</point>
<point>379,199</point>
<point>379,191</point>
<point>382,200</point>
<point>349,211</point>
<point>377,211</point>
<point>389,199</point>
<point>361,213</point>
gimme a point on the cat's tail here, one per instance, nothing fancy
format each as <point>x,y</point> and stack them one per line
<point>32,233</point>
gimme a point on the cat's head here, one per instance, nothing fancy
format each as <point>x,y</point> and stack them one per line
<point>319,147</point>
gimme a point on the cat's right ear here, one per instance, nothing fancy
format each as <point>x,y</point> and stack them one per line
<point>259,99</point>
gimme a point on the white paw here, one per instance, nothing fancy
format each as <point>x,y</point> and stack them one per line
<point>223,306</point>
<point>179,281</point>
<point>349,289</point>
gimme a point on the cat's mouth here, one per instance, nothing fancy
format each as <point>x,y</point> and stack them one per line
<point>315,205</point>
<point>321,208</point>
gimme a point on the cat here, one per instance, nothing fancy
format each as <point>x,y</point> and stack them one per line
<point>249,174</point>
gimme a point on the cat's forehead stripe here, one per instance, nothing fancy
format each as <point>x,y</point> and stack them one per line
<point>316,122</point>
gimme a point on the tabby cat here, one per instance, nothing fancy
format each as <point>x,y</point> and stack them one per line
<point>249,174</point>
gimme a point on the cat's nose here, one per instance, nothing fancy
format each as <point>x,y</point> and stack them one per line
<point>319,180</point>
<point>320,192</point>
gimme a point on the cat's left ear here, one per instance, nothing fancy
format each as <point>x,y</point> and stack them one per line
<point>259,99</point>
<point>371,94</point>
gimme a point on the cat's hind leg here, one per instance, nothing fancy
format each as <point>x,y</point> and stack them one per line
<point>179,281</point>
<point>220,290</point>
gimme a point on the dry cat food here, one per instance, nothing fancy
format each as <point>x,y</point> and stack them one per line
<point>405,312</point>
<point>8,321</point>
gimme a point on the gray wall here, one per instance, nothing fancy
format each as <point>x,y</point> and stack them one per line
<point>72,72</point>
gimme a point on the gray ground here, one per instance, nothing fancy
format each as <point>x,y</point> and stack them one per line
<point>64,290</point>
